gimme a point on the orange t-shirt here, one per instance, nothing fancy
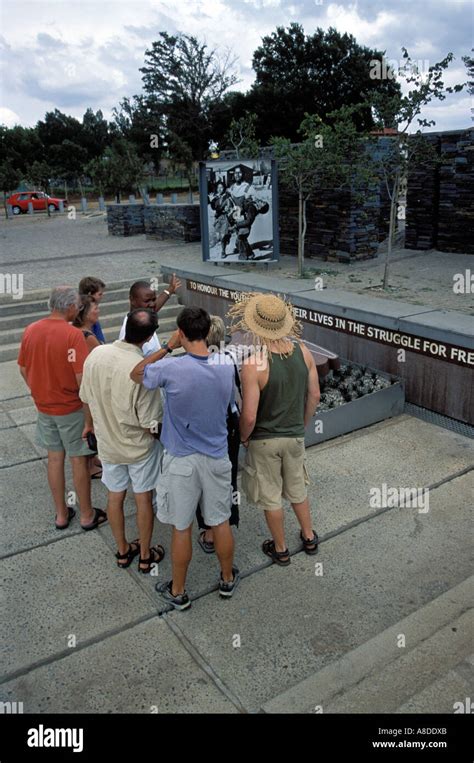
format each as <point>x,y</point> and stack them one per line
<point>53,351</point>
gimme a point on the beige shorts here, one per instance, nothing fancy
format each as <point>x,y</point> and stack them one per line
<point>275,469</point>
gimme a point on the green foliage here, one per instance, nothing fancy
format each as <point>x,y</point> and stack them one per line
<point>241,135</point>
<point>319,73</point>
<point>141,121</point>
<point>329,155</point>
<point>39,174</point>
<point>9,177</point>
<point>187,80</point>
<point>469,62</point>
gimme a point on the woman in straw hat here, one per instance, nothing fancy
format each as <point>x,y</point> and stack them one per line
<point>280,391</point>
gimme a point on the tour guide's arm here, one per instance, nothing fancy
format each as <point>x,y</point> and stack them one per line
<point>136,373</point>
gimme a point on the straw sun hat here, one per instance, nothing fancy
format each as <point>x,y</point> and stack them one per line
<point>268,318</point>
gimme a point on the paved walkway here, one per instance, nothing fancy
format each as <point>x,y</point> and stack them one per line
<point>84,636</point>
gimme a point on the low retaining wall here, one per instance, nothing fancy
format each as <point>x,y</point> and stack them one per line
<point>125,219</point>
<point>177,221</point>
<point>158,221</point>
<point>431,350</point>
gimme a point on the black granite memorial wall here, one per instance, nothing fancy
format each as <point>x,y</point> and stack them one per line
<point>440,198</point>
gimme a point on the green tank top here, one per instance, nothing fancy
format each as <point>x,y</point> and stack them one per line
<point>282,401</point>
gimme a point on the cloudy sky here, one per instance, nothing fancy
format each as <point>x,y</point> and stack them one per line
<point>70,54</point>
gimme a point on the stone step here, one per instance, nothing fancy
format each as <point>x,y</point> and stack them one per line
<point>379,676</point>
<point>39,294</point>
<point>438,696</point>
<point>391,686</point>
<point>109,312</point>
<point>38,298</point>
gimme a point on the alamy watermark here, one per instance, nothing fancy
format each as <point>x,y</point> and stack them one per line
<point>389,68</point>
<point>12,283</point>
<point>391,497</point>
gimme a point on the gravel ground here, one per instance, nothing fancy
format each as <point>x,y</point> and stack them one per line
<point>53,250</point>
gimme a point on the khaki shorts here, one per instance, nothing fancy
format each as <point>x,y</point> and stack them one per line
<point>185,481</point>
<point>62,433</point>
<point>275,469</point>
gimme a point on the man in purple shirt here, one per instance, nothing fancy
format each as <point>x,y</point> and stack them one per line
<point>199,388</point>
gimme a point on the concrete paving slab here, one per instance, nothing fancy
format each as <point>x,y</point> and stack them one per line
<point>12,384</point>
<point>373,575</point>
<point>140,670</point>
<point>16,403</point>
<point>25,415</point>
<point>5,421</point>
<point>62,589</point>
<point>28,432</point>
<point>400,452</point>
<point>17,447</point>
<point>28,517</point>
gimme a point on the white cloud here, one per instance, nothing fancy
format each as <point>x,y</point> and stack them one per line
<point>8,117</point>
<point>91,52</point>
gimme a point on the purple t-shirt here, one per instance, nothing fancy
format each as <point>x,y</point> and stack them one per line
<point>198,391</point>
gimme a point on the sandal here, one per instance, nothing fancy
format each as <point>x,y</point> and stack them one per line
<point>71,515</point>
<point>96,475</point>
<point>310,546</point>
<point>157,554</point>
<point>268,548</point>
<point>99,518</point>
<point>206,546</point>
<point>129,555</point>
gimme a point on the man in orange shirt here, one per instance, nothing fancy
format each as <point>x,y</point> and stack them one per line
<point>51,358</point>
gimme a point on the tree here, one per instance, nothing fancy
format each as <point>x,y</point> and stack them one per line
<point>330,155</point>
<point>187,80</point>
<point>181,154</point>
<point>141,121</point>
<point>94,136</point>
<point>20,146</point>
<point>315,74</point>
<point>9,179</point>
<point>98,170</point>
<point>58,127</point>
<point>123,169</point>
<point>241,135</point>
<point>405,111</point>
<point>68,160</point>
<point>469,62</point>
<point>39,173</point>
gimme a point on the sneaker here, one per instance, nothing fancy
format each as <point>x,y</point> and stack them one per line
<point>227,589</point>
<point>178,602</point>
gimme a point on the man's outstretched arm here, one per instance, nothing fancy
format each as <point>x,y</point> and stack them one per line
<point>136,374</point>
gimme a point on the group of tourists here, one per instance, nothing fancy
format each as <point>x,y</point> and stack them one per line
<point>167,420</point>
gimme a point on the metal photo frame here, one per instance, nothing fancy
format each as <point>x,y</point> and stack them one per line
<point>239,213</point>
